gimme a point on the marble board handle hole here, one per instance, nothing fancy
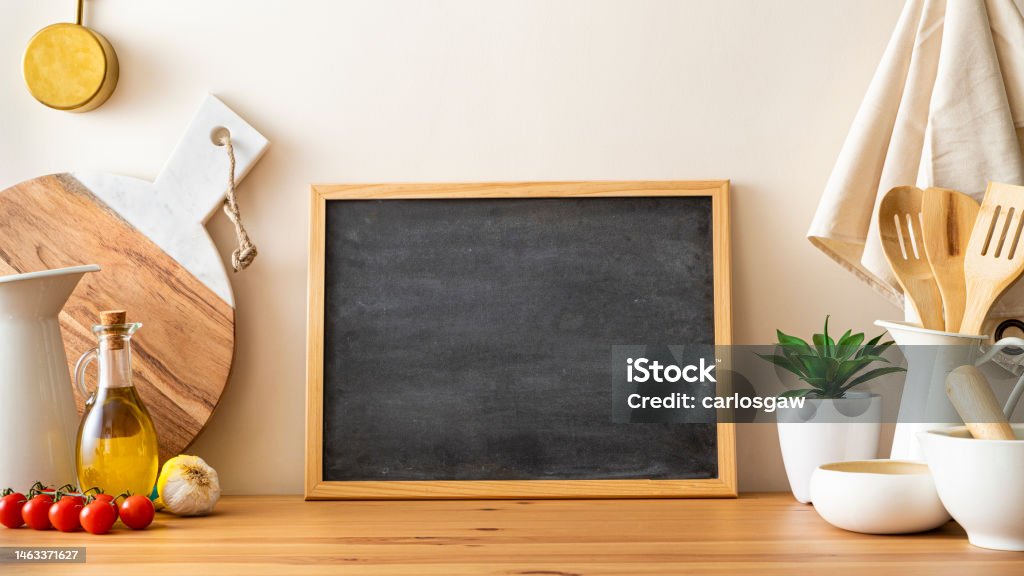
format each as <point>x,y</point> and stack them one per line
<point>218,134</point>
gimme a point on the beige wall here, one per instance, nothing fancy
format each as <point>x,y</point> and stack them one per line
<point>761,92</point>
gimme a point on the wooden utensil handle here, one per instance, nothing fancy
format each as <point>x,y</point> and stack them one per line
<point>923,296</point>
<point>980,298</point>
<point>970,394</point>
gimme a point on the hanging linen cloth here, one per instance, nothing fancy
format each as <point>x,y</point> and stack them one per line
<point>945,108</point>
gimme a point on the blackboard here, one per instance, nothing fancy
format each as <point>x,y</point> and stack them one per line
<point>465,337</point>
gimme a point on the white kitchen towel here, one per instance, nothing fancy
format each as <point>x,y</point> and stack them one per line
<point>945,108</point>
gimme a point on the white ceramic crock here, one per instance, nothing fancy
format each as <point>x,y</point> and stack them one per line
<point>981,483</point>
<point>931,355</point>
<point>826,431</point>
<point>878,496</point>
<point>37,435</point>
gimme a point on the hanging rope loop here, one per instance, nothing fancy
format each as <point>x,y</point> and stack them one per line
<point>246,252</point>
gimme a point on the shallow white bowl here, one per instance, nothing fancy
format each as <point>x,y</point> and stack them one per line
<point>981,482</point>
<point>877,496</point>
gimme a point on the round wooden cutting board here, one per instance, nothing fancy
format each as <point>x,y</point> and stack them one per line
<point>183,353</point>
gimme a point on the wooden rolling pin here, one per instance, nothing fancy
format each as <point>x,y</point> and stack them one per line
<point>973,399</point>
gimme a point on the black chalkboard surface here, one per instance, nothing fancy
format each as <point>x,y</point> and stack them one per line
<point>464,340</point>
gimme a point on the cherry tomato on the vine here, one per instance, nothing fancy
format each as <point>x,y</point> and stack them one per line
<point>98,517</point>
<point>10,510</point>
<point>103,497</point>
<point>64,514</point>
<point>36,512</point>
<point>137,512</point>
<point>80,500</point>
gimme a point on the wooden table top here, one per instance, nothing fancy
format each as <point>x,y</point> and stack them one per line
<point>758,533</point>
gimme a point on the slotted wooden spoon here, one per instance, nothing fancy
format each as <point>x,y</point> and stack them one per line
<point>947,219</point>
<point>995,258</point>
<point>899,224</point>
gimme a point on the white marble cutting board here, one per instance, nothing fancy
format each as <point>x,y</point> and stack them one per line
<point>173,210</point>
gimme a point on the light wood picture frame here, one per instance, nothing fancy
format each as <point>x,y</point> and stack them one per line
<point>317,488</point>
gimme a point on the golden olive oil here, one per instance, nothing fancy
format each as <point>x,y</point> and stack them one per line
<point>117,447</point>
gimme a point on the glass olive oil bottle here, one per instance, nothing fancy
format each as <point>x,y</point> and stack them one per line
<point>117,447</point>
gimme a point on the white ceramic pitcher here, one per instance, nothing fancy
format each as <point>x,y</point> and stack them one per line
<point>931,355</point>
<point>37,431</point>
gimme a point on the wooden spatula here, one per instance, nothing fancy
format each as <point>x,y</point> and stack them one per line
<point>899,224</point>
<point>947,218</point>
<point>970,394</point>
<point>995,258</point>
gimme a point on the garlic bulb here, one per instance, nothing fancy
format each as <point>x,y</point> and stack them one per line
<point>188,486</point>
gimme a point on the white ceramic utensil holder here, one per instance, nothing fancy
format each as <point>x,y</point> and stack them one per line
<point>931,355</point>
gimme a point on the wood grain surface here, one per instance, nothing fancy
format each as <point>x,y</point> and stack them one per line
<point>182,355</point>
<point>756,534</point>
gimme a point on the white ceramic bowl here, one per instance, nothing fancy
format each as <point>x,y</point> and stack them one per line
<point>981,482</point>
<point>877,496</point>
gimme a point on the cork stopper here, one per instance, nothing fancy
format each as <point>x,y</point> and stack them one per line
<point>113,318</point>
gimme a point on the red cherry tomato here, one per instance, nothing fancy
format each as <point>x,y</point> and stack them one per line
<point>137,512</point>
<point>98,517</point>
<point>64,514</point>
<point>36,512</point>
<point>80,500</point>
<point>109,500</point>
<point>10,510</point>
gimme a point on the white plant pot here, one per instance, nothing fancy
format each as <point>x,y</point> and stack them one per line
<point>826,431</point>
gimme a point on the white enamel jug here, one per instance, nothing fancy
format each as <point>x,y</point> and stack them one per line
<point>37,430</point>
<point>931,355</point>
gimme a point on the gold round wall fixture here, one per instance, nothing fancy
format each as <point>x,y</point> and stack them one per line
<point>70,67</point>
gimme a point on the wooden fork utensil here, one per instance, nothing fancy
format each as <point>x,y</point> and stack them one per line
<point>995,258</point>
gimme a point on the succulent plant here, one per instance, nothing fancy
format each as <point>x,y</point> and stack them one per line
<point>831,368</point>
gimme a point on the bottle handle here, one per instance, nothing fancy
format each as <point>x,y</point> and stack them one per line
<point>80,367</point>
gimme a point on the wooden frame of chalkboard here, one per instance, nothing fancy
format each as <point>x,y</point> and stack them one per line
<point>722,485</point>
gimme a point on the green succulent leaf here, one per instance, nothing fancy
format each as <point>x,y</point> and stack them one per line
<point>818,383</point>
<point>796,393</point>
<point>783,362</point>
<point>850,367</point>
<point>820,344</point>
<point>829,343</point>
<point>788,341</point>
<point>877,372</point>
<point>881,348</point>
<point>849,345</point>
<point>814,366</point>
